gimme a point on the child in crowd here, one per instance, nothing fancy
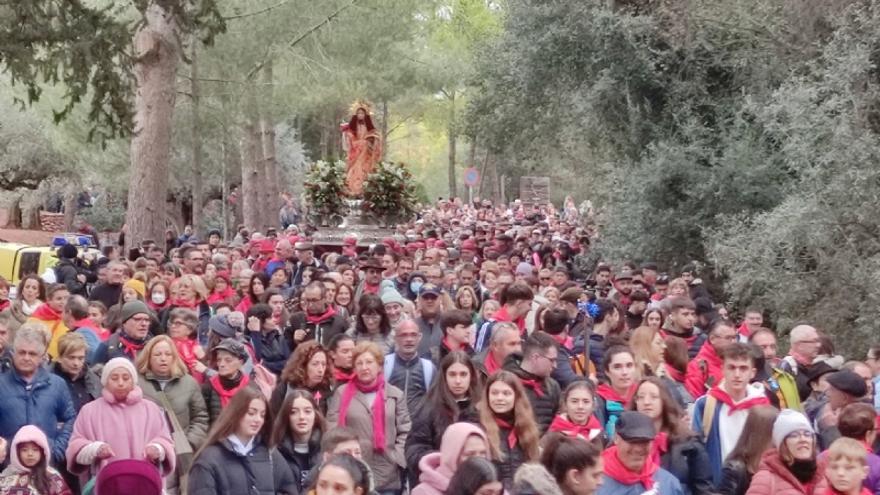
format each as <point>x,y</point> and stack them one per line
<point>847,468</point>
<point>29,472</point>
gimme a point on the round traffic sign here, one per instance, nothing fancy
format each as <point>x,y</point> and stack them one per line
<point>471,176</point>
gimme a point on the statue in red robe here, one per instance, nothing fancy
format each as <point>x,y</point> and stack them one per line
<point>363,143</point>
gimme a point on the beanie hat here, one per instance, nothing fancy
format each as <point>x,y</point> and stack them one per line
<point>67,251</point>
<point>132,308</point>
<point>220,325</point>
<point>137,285</point>
<point>788,422</point>
<point>117,363</point>
<point>390,296</point>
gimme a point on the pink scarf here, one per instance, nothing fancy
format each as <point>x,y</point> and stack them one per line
<point>378,408</point>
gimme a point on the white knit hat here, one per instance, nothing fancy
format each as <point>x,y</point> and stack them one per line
<point>788,422</point>
<point>115,363</point>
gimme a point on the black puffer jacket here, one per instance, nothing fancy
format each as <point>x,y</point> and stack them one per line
<point>735,479</point>
<point>429,424</point>
<point>219,470</point>
<point>322,331</point>
<point>302,464</point>
<point>688,461</point>
<point>511,458</point>
<point>546,405</point>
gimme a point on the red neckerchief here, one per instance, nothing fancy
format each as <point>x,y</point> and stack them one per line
<point>4,304</point>
<point>181,303</point>
<point>317,319</point>
<point>659,447</point>
<point>744,330</point>
<point>800,359</point>
<point>673,373</point>
<point>461,347</point>
<point>158,307</point>
<point>501,315</point>
<point>608,393</point>
<point>689,338</point>
<point>747,403</point>
<point>218,297</point>
<point>511,437</point>
<point>618,472</point>
<point>100,332</point>
<point>533,384</point>
<point>566,342</point>
<point>341,376</point>
<point>226,395</point>
<point>130,348</point>
<point>370,289</point>
<point>491,365</point>
<point>565,426</point>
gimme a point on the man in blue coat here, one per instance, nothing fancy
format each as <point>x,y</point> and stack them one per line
<point>628,468</point>
<point>34,396</point>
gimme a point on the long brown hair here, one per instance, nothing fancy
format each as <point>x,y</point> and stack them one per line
<point>523,418</point>
<point>295,372</point>
<point>281,430</point>
<point>439,398</point>
<point>749,448</point>
<point>640,342</point>
<point>232,414</point>
<point>671,417</point>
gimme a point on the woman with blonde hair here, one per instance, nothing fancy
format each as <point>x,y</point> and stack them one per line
<point>191,293</point>
<point>466,300</point>
<point>507,417</point>
<point>164,380</point>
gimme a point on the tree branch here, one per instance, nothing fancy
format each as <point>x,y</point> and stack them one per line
<point>301,37</point>
<point>258,12</point>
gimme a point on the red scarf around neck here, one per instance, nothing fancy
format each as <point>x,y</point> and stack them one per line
<point>564,341</point>
<point>320,318</point>
<point>342,377</point>
<point>460,347</point>
<point>378,408</point>
<point>659,447</point>
<point>607,392</point>
<point>44,312</point>
<point>565,426</point>
<point>130,348</point>
<point>491,365</point>
<point>182,303</point>
<point>744,404</point>
<point>511,435</point>
<point>619,473</point>
<point>226,395</point>
<point>534,384</point>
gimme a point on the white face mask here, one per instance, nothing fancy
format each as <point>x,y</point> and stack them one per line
<point>158,298</point>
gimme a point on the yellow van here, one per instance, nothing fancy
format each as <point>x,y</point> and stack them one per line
<point>18,260</point>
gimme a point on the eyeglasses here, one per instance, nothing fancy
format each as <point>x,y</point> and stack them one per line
<point>551,359</point>
<point>801,434</point>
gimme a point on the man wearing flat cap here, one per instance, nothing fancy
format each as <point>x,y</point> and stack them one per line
<point>628,467</point>
<point>845,387</point>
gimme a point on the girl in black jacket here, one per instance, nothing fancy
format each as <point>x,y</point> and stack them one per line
<point>506,415</point>
<point>676,448</point>
<point>298,429</point>
<point>452,398</point>
<point>236,458</point>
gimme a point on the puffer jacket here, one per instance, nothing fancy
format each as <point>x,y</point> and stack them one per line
<point>44,402</point>
<point>187,401</point>
<point>688,461</point>
<point>219,470</point>
<point>735,478</point>
<point>511,458</point>
<point>427,431</point>
<point>322,331</point>
<point>438,468</point>
<point>302,463</point>
<point>774,478</point>
<point>544,405</point>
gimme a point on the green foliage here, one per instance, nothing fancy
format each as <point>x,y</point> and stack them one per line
<point>390,192</point>
<point>325,187</point>
<point>106,214</point>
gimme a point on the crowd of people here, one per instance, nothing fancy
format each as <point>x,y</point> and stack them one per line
<point>480,350</point>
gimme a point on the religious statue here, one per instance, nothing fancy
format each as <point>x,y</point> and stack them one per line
<point>363,143</point>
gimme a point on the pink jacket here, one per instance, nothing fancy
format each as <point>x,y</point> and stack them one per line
<point>16,477</point>
<point>128,427</point>
<point>774,478</point>
<point>437,468</point>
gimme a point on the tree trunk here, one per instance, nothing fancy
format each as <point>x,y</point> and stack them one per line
<point>70,205</point>
<point>384,130</point>
<point>453,189</point>
<point>157,52</point>
<point>250,204</point>
<point>267,127</point>
<point>195,89</point>
<point>262,182</point>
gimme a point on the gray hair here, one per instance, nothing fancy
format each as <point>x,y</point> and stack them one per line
<point>32,333</point>
<point>802,332</point>
<point>499,329</point>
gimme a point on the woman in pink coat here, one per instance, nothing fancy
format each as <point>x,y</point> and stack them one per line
<point>791,468</point>
<point>119,425</point>
<point>460,442</point>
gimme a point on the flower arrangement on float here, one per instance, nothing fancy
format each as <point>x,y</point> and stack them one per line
<point>390,193</point>
<point>325,189</point>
